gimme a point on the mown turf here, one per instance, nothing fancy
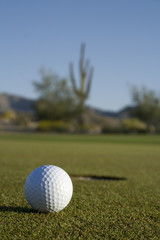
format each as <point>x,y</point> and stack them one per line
<point>122,209</point>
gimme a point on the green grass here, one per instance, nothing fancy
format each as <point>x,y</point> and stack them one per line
<point>127,209</point>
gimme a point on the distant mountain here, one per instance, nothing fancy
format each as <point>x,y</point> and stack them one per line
<point>17,103</point>
<point>123,113</point>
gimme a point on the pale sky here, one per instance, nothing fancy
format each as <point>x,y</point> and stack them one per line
<point>122,43</point>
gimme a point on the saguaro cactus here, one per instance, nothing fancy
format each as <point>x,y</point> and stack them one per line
<point>86,74</point>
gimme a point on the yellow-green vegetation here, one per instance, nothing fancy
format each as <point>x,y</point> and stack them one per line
<point>127,209</point>
<point>9,115</point>
<point>134,125</point>
<point>56,126</point>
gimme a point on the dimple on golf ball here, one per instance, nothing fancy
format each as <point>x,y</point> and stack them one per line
<point>48,189</point>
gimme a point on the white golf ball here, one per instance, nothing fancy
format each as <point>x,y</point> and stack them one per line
<point>48,189</point>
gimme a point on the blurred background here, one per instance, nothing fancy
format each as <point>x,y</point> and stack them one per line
<point>80,66</point>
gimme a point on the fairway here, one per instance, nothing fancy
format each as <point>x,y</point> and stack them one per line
<point>125,207</point>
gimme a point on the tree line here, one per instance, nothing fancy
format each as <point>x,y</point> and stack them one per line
<point>61,100</point>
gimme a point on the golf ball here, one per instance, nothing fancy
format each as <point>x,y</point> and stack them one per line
<point>48,189</point>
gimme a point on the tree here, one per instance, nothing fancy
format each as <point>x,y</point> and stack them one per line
<point>56,100</point>
<point>147,106</point>
<point>86,74</point>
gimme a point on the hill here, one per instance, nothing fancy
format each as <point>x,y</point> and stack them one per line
<point>16,103</point>
<point>121,114</point>
<point>21,104</point>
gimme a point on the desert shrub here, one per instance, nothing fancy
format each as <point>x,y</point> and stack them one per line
<point>158,128</point>
<point>111,129</point>
<point>23,119</point>
<point>134,125</point>
<point>83,128</point>
<point>55,126</point>
<point>9,115</point>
